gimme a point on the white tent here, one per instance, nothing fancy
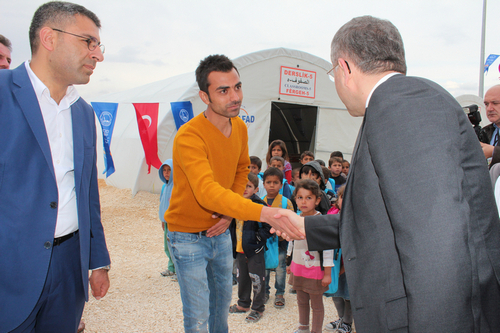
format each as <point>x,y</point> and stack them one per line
<point>273,107</point>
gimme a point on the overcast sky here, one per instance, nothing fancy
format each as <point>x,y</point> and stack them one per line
<point>151,40</point>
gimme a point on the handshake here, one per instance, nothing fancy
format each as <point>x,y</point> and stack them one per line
<point>284,222</point>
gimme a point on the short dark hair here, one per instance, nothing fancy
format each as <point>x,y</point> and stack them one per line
<point>277,158</point>
<point>306,153</point>
<point>337,154</point>
<point>6,42</point>
<point>56,14</point>
<point>254,179</point>
<point>273,172</point>
<point>320,162</point>
<point>212,63</point>
<point>335,159</point>
<point>257,161</point>
<point>308,184</point>
<point>372,44</point>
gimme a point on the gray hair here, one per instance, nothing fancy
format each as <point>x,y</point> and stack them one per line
<point>373,45</point>
<point>56,13</point>
<point>5,41</point>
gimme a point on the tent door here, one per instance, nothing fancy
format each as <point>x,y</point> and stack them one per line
<point>295,124</point>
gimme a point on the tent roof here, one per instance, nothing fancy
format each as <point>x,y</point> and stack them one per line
<point>172,88</point>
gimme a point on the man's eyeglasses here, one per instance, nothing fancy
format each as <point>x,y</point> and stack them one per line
<point>92,42</point>
<point>330,72</point>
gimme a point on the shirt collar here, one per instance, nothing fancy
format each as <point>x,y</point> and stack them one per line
<point>382,80</point>
<point>41,90</point>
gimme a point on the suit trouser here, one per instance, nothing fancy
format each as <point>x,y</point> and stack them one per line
<point>60,306</point>
<point>251,275</point>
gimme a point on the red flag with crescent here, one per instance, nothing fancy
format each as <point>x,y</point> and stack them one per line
<point>147,120</point>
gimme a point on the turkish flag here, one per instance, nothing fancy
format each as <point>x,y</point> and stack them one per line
<point>147,120</point>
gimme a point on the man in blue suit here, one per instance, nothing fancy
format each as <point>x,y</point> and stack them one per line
<point>50,226</point>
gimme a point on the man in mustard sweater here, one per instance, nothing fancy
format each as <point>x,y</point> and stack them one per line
<point>211,163</point>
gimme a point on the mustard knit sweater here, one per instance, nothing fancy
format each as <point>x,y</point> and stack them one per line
<point>210,175</point>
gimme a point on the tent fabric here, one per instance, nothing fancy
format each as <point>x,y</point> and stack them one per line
<point>260,75</point>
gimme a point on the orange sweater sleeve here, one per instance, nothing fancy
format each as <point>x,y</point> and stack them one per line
<point>210,173</point>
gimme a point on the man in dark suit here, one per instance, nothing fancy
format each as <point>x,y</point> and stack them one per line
<point>421,248</point>
<point>50,226</point>
<point>491,137</point>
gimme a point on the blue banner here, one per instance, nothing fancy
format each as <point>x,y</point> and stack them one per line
<point>182,111</point>
<point>106,113</point>
<point>491,59</point>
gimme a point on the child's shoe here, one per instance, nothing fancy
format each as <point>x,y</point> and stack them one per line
<point>302,329</point>
<point>344,328</point>
<point>334,325</point>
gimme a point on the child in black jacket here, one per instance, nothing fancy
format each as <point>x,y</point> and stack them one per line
<point>249,244</point>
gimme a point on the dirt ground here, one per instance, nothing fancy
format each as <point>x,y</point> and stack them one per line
<point>140,299</point>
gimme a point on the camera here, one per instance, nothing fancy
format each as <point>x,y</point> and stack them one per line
<point>472,112</point>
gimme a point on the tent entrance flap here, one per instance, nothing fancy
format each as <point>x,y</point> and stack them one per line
<point>295,124</point>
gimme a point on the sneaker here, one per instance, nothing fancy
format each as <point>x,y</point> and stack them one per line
<point>174,277</point>
<point>334,325</point>
<point>344,328</point>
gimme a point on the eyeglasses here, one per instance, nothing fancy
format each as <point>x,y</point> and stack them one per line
<point>330,72</point>
<point>92,42</point>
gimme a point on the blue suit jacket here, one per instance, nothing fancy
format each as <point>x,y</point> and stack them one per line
<point>28,191</point>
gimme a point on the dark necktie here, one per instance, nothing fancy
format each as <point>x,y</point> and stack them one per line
<point>496,138</point>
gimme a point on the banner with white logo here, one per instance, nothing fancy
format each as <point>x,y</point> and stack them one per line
<point>182,111</point>
<point>106,113</point>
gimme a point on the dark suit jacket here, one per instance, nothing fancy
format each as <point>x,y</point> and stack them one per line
<point>488,131</point>
<point>28,190</point>
<point>419,228</point>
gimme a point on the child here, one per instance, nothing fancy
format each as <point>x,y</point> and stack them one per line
<point>273,179</point>
<point>286,189</point>
<point>345,167</point>
<point>335,166</point>
<point>249,239</point>
<point>255,167</point>
<point>306,156</point>
<point>329,184</point>
<point>312,170</point>
<point>341,297</point>
<point>278,148</point>
<point>166,175</point>
<point>310,272</point>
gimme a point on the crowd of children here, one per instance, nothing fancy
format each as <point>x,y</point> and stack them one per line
<point>310,189</point>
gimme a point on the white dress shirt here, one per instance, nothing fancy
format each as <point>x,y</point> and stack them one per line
<point>58,125</point>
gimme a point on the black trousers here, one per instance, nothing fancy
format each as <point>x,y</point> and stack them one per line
<point>251,276</point>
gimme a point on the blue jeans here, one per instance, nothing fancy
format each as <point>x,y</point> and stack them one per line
<point>204,271</point>
<point>280,281</point>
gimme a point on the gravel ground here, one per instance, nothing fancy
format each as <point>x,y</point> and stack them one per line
<point>140,299</point>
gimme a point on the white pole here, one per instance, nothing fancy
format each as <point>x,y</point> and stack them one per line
<point>481,65</point>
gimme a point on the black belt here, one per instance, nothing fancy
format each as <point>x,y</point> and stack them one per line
<point>201,233</point>
<point>60,240</point>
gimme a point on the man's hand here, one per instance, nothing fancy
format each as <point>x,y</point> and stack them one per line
<point>285,223</point>
<point>99,283</point>
<point>221,226</point>
<point>487,149</point>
